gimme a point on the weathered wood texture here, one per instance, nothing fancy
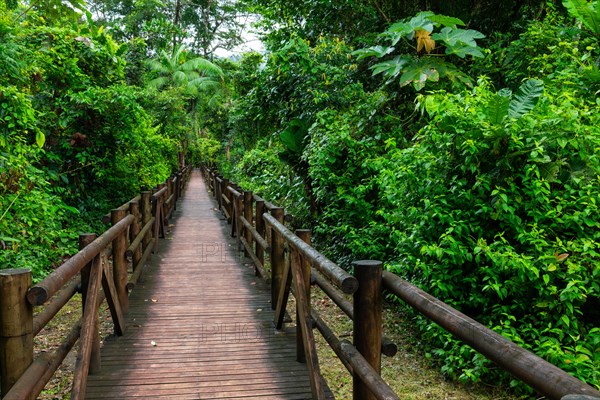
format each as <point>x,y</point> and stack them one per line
<point>200,323</point>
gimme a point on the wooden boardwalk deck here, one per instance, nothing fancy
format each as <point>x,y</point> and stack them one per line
<point>200,323</point>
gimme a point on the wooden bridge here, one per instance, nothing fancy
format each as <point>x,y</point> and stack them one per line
<point>202,320</point>
<point>200,324</point>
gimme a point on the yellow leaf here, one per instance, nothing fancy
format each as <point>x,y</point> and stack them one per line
<point>424,40</point>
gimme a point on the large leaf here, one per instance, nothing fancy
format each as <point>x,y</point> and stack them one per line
<point>293,137</point>
<point>460,42</point>
<point>375,51</point>
<point>446,21</point>
<point>497,108</point>
<point>419,73</point>
<point>400,30</point>
<point>391,68</point>
<point>586,11</point>
<point>526,98</point>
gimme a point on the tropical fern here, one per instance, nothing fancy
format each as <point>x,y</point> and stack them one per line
<point>526,98</point>
<point>588,12</point>
<point>506,104</point>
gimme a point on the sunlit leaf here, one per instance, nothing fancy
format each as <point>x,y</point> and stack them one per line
<point>526,98</point>
<point>446,21</point>
<point>40,139</point>
<point>391,68</point>
<point>375,51</point>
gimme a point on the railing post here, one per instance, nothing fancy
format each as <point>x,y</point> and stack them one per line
<point>237,204</point>
<point>95,365</point>
<point>119,247</point>
<point>260,228</point>
<point>134,231</point>
<point>146,210</point>
<point>170,191</point>
<point>367,320</point>
<point>277,257</point>
<point>305,235</point>
<point>177,189</point>
<point>248,216</point>
<point>164,220</point>
<point>16,326</point>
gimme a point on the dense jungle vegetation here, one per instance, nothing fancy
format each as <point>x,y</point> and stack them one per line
<point>458,142</point>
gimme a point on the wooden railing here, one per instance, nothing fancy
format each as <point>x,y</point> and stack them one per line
<point>136,227</point>
<point>295,265</point>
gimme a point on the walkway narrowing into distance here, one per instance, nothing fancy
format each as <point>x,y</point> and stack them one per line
<point>200,324</point>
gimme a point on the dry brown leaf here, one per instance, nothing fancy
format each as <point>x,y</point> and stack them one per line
<point>424,40</point>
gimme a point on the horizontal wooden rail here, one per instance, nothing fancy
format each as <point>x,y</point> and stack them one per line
<point>160,193</point>
<point>259,240</point>
<point>123,207</point>
<point>138,240</point>
<point>57,303</point>
<point>343,280</point>
<point>44,290</point>
<point>32,382</point>
<point>257,263</point>
<point>543,376</point>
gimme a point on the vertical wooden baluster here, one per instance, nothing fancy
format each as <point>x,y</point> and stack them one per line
<point>146,210</point>
<point>305,235</point>
<point>248,216</point>
<point>95,364</point>
<point>16,326</point>
<point>119,246</point>
<point>225,192</point>
<point>260,228</point>
<point>277,257</point>
<point>367,320</point>
<point>134,231</point>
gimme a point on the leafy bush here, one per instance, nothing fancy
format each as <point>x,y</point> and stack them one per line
<point>495,212</point>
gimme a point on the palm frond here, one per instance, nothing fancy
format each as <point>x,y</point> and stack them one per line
<point>158,82</point>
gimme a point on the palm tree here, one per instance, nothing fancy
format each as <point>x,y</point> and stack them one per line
<point>193,76</point>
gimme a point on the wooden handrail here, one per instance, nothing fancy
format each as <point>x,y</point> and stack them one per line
<point>33,374</point>
<point>44,290</point>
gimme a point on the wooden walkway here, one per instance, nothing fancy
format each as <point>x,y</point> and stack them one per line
<point>199,324</point>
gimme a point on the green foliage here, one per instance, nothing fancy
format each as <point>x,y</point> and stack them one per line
<point>587,12</point>
<point>488,201</point>
<point>426,64</point>
<point>74,139</point>
<point>499,221</point>
<point>37,226</point>
<point>175,70</point>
